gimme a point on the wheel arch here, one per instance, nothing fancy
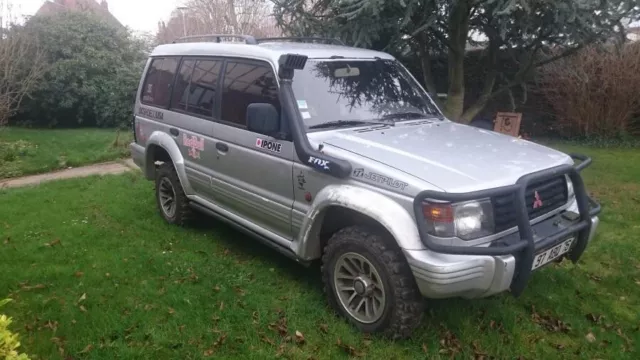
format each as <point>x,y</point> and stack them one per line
<point>162,147</point>
<point>338,206</point>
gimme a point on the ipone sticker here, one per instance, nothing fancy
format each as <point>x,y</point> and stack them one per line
<point>273,146</point>
<point>195,145</point>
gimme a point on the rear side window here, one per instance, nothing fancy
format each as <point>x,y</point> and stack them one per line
<point>196,86</point>
<point>246,83</point>
<point>156,90</point>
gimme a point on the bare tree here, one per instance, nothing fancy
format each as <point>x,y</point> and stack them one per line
<point>595,92</point>
<point>198,17</point>
<point>21,64</point>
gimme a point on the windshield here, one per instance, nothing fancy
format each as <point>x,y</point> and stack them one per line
<point>351,92</point>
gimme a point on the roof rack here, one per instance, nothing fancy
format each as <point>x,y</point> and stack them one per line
<point>248,39</point>
<point>329,41</point>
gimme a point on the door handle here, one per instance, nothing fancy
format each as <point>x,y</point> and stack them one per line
<point>222,147</point>
<point>174,131</point>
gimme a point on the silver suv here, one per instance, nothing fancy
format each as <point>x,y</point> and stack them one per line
<point>334,153</point>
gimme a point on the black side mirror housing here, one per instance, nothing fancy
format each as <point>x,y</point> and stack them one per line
<point>263,118</point>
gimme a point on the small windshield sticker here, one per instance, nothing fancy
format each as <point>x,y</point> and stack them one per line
<point>195,145</point>
<point>306,115</point>
<point>269,145</point>
<point>380,179</point>
<point>302,104</point>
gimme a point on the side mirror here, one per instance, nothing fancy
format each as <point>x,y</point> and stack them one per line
<point>263,118</point>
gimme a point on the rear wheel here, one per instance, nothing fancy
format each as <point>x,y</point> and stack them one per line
<point>368,281</point>
<point>170,198</point>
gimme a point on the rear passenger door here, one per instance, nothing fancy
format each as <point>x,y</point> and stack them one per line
<point>193,109</point>
<point>254,170</point>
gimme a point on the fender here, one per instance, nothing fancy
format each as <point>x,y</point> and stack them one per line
<point>375,205</point>
<point>166,142</point>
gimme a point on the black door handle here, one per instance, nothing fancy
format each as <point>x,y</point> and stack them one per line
<point>222,147</point>
<point>174,131</point>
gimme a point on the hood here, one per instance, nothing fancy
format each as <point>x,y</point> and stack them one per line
<point>451,156</point>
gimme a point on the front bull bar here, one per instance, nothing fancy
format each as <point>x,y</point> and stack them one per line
<point>524,249</point>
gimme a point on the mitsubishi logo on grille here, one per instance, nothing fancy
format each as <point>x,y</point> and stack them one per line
<point>537,202</point>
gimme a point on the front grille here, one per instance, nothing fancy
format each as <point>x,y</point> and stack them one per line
<point>552,192</point>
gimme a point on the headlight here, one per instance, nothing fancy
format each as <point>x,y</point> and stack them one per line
<point>468,220</point>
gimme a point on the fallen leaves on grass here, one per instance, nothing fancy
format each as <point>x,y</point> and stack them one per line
<point>34,287</point>
<point>267,339</point>
<point>86,349</point>
<point>478,354</point>
<point>596,319</point>
<point>324,328</point>
<point>53,243</point>
<point>590,337</point>
<point>172,311</point>
<point>349,350</point>
<point>449,344</point>
<point>424,348</point>
<point>548,322</point>
<point>299,337</point>
<point>82,308</point>
<point>216,345</point>
<point>82,298</point>
<point>280,326</point>
<point>79,274</point>
<point>6,241</point>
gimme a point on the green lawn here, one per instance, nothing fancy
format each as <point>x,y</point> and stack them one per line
<point>31,151</point>
<point>96,274</point>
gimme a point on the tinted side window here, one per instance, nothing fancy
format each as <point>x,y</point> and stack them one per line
<point>196,86</point>
<point>181,88</point>
<point>246,83</point>
<point>157,85</point>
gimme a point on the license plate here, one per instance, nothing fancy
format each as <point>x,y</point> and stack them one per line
<point>551,254</point>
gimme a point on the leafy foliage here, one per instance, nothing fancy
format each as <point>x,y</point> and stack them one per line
<point>523,30</point>
<point>9,343</point>
<point>94,68</point>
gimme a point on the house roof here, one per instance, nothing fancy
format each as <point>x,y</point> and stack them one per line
<point>51,7</point>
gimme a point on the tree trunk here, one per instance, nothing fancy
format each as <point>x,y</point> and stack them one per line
<point>458,32</point>
<point>487,88</point>
<point>427,75</point>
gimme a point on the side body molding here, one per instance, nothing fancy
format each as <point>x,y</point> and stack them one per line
<point>375,205</point>
<point>166,142</point>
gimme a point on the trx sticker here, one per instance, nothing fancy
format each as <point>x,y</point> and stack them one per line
<point>380,179</point>
<point>195,145</point>
<point>323,164</point>
<point>269,145</point>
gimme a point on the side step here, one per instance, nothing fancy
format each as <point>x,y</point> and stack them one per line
<point>282,250</point>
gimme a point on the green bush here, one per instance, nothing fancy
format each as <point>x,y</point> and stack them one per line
<point>93,70</point>
<point>9,343</point>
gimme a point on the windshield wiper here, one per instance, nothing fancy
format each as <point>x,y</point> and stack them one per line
<point>407,114</point>
<point>342,123</point>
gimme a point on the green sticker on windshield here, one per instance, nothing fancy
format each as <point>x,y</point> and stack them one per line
<point>302,104</point>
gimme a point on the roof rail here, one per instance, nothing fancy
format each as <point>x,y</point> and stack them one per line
<point>248,39</point>
<point>329,41</point>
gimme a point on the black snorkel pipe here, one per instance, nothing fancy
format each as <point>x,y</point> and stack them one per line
<point>315,159</point>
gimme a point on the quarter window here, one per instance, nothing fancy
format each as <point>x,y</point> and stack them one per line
<point>246,83</point>
<point>157,86</point>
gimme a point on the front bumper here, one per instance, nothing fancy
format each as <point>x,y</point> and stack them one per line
<point>445,271</point>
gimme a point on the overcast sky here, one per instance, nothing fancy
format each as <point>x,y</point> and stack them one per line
<point>140,15</point>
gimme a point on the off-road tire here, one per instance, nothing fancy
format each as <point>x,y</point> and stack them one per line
<point>183,213</point>
<point>404,306</point>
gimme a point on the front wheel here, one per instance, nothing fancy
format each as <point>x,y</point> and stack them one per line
<point>170,198</point>
<point>368,281</point>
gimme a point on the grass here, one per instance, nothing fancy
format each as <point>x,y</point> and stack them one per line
<point>96,274</point>
<point>32,151</point>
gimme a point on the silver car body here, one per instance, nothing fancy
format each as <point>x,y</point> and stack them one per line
<point>267,193</point>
